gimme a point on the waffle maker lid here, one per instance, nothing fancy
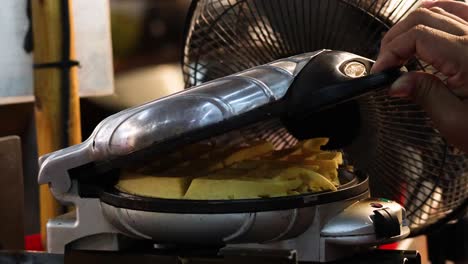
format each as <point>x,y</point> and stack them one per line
<point>290,88</point>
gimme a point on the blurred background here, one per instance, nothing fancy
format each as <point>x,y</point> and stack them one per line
<point>147,39</point>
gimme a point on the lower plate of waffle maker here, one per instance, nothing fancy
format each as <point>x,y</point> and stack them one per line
<point>220,222</point>
<point>340,218</point>
<point>353,184</point>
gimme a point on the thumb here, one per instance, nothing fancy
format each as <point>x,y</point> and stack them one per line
<point>447,112</point>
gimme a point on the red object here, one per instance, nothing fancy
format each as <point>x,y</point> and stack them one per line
<point>33,242</point>
<point>389,246</point>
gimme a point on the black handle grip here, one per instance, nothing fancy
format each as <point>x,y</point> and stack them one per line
<point>323,83</point>
<point>319,102</point>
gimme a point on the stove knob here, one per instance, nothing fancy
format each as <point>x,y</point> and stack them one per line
<point>386,223</point>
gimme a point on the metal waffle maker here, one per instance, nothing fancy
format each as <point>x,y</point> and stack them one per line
<point>289,92</point>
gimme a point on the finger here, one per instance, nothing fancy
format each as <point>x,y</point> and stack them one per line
<point>423,16</point>
<point>447,14</point>
<point>457,8</point>
<point>447,112</point>
<point>437,48</point>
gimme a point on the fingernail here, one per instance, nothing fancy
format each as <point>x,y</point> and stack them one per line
<point>401,87</point>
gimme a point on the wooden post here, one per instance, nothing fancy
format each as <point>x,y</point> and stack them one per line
<point>52,96</point>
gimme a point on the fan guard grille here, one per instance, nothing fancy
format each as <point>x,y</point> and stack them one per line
<point>406,159</point>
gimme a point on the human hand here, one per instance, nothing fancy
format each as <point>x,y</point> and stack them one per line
<point>437,33</point>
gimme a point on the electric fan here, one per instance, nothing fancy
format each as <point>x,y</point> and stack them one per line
<point>390,139</point>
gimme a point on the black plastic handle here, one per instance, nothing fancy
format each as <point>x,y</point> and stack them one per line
<point>319,102</point>
<point>323,83</point>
